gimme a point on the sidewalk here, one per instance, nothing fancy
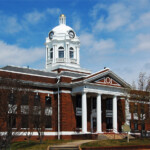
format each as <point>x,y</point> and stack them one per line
<point>71,144</point>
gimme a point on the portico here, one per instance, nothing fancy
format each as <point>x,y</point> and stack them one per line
<point>103,109</point>
<point>98,113</point>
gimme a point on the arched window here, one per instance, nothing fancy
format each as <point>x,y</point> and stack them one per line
<point>51,53</point>
<point>61,52</point>
<point>71,52</point>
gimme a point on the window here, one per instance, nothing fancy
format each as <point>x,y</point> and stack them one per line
<point>143,126</point>
<point>131,107</point>
<point>51,53</point>
<point>109,122</point>
<point>71,52</point>
<point>36,120</point>
<point>78,101</point>
<point>61,52</point>
<point>11,99</point>
<point>24,121</point>
<point>94,103</point>
<point>135,108</point>
<point>109,104</point>
<point>142,109</point>
<point>48,122</point>
<point>94,123</point>
<point>11,121</point>
<point>78,121</point>
<point>25,100</point>
<point>130,123</point>
<point>135,126</point>
<point>48,101</point>
<point>36,100</point>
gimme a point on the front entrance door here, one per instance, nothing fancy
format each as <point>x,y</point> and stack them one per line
<point>93,124</point>
<point>109,123</point>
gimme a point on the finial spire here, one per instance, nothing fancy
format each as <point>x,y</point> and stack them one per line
<point>62,19</point>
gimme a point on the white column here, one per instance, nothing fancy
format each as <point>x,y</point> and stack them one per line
<point>46,56</point>
<point>99,115</point>
<point>78,55</point>
<point>55,53</point>
<point>66,55</point>
<point>84,113</point>
<point>127,112</point>
<point>115,114</point>
<point>54,57</point>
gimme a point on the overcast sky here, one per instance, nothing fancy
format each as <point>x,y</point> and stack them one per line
<point>113,33</point>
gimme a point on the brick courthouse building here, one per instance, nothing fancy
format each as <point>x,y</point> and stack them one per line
<point>82,103</point>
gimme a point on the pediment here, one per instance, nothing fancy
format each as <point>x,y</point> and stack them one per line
<point>107,80</point>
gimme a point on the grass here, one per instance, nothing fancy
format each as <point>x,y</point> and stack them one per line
<point>34,145</point>
<point>123,142</point>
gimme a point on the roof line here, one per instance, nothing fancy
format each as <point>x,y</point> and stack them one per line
<point>26,73</point>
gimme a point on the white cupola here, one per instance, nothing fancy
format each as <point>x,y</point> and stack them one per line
<point>62,48</point>
<point>62,19</point>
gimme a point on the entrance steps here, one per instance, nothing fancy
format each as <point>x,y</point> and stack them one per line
<point>102,136</point>
<point>113,136</point>
<point>106,136</point>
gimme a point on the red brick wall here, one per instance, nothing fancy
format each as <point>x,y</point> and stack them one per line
<point>120,113</point>
<point>147,121</point>
<point>67,113</point>
<point>65,79</point>
<point>54,108</point>
<point>27,77</point>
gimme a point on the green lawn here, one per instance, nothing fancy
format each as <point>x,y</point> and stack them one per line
<point>34,145</point>
<point>117,143</point>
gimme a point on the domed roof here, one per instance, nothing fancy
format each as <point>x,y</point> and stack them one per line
<point>62,28</point>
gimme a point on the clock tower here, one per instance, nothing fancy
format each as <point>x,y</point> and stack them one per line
<point>63,48</point>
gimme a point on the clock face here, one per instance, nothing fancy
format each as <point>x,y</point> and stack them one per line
<point>51,35</point>
<point>71,34</point>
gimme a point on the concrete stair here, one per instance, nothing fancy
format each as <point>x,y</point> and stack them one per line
<point>63,148</point>
<point>102,137</point>
<point>115,136</point>
<point>106,136</point>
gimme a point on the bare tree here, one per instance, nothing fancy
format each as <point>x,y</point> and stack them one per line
<point>41,115</point>
<point>26,114</point>
<point>9,97</point>
<point>22,111</point>
<point>11,91</point>
<point>144,82</point>
<point>38,117</point>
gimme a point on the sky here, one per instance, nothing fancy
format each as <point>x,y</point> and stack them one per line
<point>113,33</point>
